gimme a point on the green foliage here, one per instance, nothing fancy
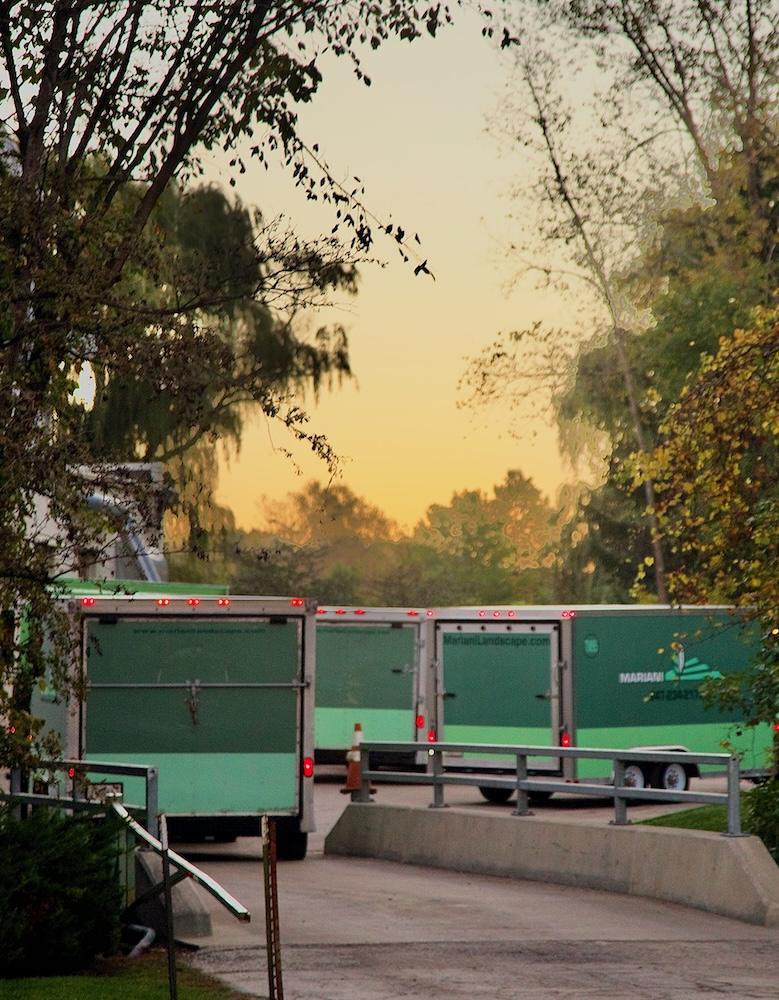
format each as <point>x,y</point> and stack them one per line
<point>717,470</point>
<point>761,815</point>
<point>60,898</point>
<point>332,545</point>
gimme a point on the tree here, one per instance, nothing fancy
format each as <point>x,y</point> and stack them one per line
<point>103,107</point>
<point>324,541</point>
<point>666,190</point>
<point>717,470</point>
<point>480,549</point>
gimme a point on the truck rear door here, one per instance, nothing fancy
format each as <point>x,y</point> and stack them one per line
<point>499,684</point>
<point>215,704</point>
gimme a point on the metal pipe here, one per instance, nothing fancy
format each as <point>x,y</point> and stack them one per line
<point>171,943</point>
<point>734,799</point>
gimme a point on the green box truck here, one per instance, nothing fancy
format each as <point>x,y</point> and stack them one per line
<point>372,669</point>
<point>615,677</point>
<point>217,692</point>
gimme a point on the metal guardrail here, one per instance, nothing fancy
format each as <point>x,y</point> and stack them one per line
<point>524,786</point>
<point>76,770</point>
<point>186,868</point>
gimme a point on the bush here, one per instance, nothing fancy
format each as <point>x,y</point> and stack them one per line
<point>60,895</point>
<point>761,814</point>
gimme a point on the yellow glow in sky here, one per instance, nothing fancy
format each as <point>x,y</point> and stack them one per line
<point>417,140</point>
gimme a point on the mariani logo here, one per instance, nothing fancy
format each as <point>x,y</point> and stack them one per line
<point>693,670</point>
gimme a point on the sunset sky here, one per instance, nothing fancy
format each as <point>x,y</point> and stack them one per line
<point>417,139</point>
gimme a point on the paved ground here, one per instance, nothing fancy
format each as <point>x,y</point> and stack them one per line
<point>357,928</point>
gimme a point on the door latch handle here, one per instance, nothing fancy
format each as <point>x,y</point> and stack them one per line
<point>192,701</point>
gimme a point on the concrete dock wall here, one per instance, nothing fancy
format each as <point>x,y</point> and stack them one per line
<point>732,876</point>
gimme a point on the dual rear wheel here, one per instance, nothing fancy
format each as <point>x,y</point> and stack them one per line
<point>674,777</point>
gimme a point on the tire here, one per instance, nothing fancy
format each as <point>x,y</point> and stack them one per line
<point>674,777</point>
<point>291,842</point>
<point>635,776</point>
<point>496,795</point>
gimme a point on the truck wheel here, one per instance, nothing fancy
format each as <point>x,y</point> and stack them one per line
<point>291,842</point>
<point>674,777</point>
<point>293,847</point>
<point>497,795</point>
<point>635,777</point>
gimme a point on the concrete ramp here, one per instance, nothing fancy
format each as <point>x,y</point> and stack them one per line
<point>733,876</point>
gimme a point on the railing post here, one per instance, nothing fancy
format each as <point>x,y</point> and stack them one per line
<point>364,792</point>
<point>734,799</point>
<point>166,881</point>
<point>523,805</point>
<point>438,785</point>
<point>15,789</point>
<point>620,804</point>
<point>152,801</point>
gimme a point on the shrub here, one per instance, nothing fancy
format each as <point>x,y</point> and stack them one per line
<point>761,814</point>
<point>60,895</point>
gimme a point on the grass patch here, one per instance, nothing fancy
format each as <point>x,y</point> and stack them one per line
<point>144,978</point>
<point>711,818</point>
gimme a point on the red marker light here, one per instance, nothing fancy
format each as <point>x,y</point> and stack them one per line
<point>482,614</point>
<point>321,611</point>
<point>308,767</point>
<point>430,613</point>
<point>776,727</point>
<point>359,611</point>
<point>223,602</point>
<point>87,602</point>
<point>412,614</point>
<point>431,736</point>
<point>163,602</point>
<point>340,611</point>
<point>565,738</point>
<point>496,614</point>
<point>567,614</point>
<point>193,602</point>
<point>512,614</point>
<point>71,772</point>
<point>420,722</point>
<point>297,602</point>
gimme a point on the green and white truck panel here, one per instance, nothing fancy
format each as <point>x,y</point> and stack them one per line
<point>497,681</point>
<point>612,677</point>
<point>636,675</point>
<point>216,692</point>
<point>370,671</point>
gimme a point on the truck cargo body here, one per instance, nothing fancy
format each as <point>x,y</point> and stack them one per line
<point>636,681</point>
<point>371,670</point>
<point>217,693</point>
<point>595,676</point>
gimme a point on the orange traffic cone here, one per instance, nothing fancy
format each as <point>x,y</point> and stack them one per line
<point>353,785</point>
<point>353,763</point>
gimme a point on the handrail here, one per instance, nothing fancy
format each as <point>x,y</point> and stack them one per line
<point>519,781</point>
<point>192,871</point>
<point>75,801</point>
